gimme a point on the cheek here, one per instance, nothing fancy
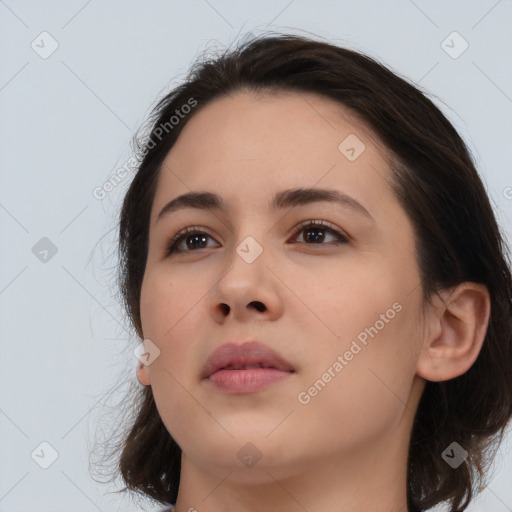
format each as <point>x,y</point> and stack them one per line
<point>169,317</point>
<point>366,392</point>
<point>369,319</point>
<point>352,300</point>
<point>164,303</point>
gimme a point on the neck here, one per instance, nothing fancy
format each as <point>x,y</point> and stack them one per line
<point>373,478</point>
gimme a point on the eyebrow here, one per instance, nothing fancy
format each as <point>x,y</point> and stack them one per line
<point>281,200</point>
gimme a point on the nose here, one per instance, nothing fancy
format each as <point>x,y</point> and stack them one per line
<point>246,291</point>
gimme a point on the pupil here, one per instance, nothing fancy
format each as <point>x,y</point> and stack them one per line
<point>319,236</point>
<point>191,244</point>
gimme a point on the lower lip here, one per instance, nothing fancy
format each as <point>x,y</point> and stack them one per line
<point>246,381</point>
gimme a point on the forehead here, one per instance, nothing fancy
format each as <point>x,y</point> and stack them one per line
<point>245,147</point>
<point>245,123</point>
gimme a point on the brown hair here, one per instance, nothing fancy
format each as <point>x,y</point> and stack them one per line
<point>457,239</point>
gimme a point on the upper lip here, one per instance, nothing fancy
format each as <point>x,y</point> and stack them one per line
<point>233,355</point>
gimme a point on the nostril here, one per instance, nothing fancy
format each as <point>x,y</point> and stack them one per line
<point>259,305</point>
<point>225,308</point>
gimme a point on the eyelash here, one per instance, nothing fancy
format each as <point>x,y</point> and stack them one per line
<point>197,230</point>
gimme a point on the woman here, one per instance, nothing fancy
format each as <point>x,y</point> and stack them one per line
<point>322,289</point>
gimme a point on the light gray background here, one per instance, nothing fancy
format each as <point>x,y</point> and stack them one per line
<point>66,125</point>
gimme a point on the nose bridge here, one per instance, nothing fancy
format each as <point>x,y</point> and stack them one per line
<point>250,249</point>
<point>246,261</point>
<point>249,238</point>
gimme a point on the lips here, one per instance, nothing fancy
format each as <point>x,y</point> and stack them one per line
<point>245,356</point>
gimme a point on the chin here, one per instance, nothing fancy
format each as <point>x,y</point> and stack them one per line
<point>235,462</point>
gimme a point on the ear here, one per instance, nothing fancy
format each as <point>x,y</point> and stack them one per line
<point>455,331</point>
<point>142,371</point>
<point>143,374</point>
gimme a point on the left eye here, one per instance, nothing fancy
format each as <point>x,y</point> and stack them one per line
<point>314,231</point>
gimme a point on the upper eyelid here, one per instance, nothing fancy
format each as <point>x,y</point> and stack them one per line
<point>329,226</point>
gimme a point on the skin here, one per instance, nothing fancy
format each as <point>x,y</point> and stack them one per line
<point>354,434</point>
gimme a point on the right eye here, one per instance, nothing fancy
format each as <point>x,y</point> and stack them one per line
<point>194,238</point>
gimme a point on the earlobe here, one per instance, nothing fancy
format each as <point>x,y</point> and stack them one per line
<point>457,329</point>
<point>142,370</point>
<point>143,374</point>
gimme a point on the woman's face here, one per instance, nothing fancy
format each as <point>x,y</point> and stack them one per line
<point>339,303</point>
